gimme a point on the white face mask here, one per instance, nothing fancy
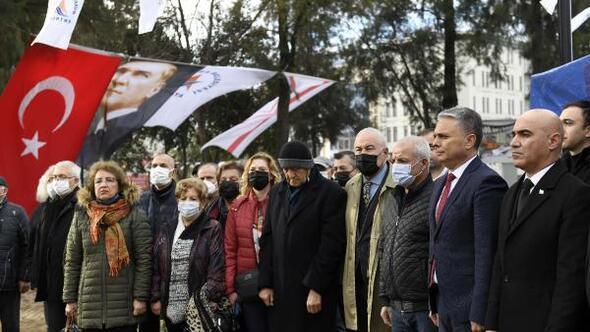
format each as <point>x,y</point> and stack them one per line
<point>62,187</point>
<point>211,187</point>
<point>160,176</point>
<point>188,209</point>
<point>51,189</point>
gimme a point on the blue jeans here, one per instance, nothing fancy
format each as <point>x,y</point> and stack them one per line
<point>411,322</point>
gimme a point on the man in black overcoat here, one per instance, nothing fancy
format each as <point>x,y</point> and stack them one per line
<point>302,246</point>
<point>538,277</point>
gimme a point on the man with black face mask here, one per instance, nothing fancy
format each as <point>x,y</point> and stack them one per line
<point>344,167</point>
<point>228,178</point>
<point>364,210</point>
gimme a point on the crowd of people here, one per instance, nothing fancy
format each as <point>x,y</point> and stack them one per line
<point>420,236</point>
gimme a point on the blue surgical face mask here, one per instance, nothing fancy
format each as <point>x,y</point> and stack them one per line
<point>402,174</point>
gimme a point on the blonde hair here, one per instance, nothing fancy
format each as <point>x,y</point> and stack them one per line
<point>192,183</point>
<point>273,168</point>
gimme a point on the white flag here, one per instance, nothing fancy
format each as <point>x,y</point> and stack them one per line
<point>580,19</point>
<point>549,5</point>
<point>60,22</point>
<point>203,86</point>
<point>237,138</point>
<point>149,11</point>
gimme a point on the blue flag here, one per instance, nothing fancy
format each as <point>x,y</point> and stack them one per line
<point>562,85</point>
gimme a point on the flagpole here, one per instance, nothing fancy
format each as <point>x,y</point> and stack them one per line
<point>565,31</point>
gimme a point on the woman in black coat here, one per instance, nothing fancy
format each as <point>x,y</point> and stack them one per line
<point>302,246</point>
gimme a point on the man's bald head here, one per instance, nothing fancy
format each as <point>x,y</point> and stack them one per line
<point>373,135</point>
<point>537,140</point>
<point>163,160</point>
<point>370,147</point>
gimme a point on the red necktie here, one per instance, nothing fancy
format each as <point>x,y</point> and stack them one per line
<point>444,196</point>
<point>441,207</point>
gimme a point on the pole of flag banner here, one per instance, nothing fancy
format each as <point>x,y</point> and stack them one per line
<point>565,31</point>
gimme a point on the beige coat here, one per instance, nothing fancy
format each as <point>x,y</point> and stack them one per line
<point>353,188</point>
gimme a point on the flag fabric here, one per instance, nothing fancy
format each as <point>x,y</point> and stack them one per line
<point>236,139</point>
<point>559,86</point>
<point>153,93</point>
<point>580,19</point>
<point>60,22</point>
<point>549,5</point>
<point>46,109</point>
<point>202,86</point>
<point>149,11</point>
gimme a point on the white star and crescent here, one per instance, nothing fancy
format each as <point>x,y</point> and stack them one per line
<point>32,146</point>
<point>58,84</point>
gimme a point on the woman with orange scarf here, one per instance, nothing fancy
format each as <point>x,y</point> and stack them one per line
<point>108,254</point>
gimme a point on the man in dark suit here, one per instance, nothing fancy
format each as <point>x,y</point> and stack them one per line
<point>463,216</point>
<point>538,279</point>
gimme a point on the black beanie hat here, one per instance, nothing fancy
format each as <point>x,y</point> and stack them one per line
<point>3,182</point>
<point>295,154</point>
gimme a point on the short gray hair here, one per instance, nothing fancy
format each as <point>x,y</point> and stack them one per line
<point>375,132</point>
<point>421,147</point>
<point>73,169</point>
<point>469,120</point>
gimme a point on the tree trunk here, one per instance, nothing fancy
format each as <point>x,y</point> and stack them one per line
<point>284,63</point>
<point>450,84</point>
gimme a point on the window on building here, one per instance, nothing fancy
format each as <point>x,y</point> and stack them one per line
<point>473,77</point>
<point>388,135</point>
<point>387,110</point>
<point>405,131</point>
<point>483,79</point>
<point>474,103</point>
<point>483,104</point>
<point>488,104</point>
<point>521,107</point>
<point>394,110</point>
<point>519,83</point>
<point>395,134</point>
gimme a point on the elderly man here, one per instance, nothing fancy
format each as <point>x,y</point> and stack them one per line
<point>302,246</point>
<point>364,210</point>
<point>538,280</point>
<point>403,282</point>
<point>344,167</point>
<point>50,242</point>
<point>436,168</point>
<point>15,259</point>
<point>160,205</point>
<point>575,118</point>
<point>464,210</point>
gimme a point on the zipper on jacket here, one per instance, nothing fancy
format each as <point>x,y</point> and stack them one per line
<point>104,289</point>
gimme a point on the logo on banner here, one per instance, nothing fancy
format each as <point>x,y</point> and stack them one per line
<point>199,82</point>
<point>62,14</point>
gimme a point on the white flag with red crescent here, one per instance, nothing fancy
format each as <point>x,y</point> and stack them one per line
<point>237,138</point>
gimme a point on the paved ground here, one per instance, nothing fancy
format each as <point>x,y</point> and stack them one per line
<point>31,314</point>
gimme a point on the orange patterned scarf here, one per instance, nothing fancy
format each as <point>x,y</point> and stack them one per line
<point>110,215</point>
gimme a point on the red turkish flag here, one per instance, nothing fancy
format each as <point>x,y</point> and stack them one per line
<point>45,112</point>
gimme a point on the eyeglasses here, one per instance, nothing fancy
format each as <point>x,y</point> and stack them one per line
<point>107,180</point>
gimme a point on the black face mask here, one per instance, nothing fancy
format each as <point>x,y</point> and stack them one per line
<point>367,164</point>
<point>258,179</point>
<point>342,178</point>
<point>229,190</point>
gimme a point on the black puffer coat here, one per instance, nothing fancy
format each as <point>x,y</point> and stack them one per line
<point>14,246</point>
<point>403,274</point>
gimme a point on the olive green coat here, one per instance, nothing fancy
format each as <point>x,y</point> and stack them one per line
<point>103,301</point>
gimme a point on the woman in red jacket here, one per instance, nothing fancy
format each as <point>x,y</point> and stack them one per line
<point>242,232</point>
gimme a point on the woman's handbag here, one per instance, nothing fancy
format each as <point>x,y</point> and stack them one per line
<point>71,325</point>
<point>203,317</point>
<point>247,286</point>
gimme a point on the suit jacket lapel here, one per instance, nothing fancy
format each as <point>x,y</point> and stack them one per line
<point>456,191</point>
<point>541,192</point>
